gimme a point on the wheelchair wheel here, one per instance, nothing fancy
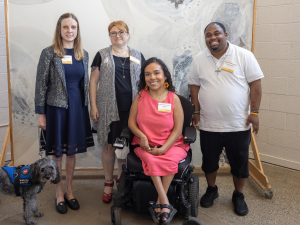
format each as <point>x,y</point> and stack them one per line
<point>193,195</point>
<point>115,215</point>
<point>192,221</point>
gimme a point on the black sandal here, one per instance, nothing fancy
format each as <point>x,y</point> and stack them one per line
<point>169,215</point>
<point>155,215</point>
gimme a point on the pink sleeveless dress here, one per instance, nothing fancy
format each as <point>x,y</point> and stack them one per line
<point>157,126</point>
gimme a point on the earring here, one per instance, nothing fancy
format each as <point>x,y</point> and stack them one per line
<point>146,88</point>
<point>166,84</point>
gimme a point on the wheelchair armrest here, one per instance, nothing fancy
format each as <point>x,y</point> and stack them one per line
<point>126,133</point>
<point>190,135</point>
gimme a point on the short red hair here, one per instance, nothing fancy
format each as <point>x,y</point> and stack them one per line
<point>119,24</point>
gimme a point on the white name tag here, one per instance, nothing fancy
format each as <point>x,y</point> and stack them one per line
<point>67,59</point>
<point>229,67</point>
<point>133,59</point>
<point>164,107</point>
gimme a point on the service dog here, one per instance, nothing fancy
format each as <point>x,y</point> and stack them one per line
<point>27,182</point>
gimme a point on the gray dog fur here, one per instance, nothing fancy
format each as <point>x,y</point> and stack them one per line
<point>41,171</point>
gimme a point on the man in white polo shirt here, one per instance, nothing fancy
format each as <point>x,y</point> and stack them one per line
<point>225,83</point>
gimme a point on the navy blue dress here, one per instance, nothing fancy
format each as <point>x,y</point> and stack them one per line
<point>68,131</point>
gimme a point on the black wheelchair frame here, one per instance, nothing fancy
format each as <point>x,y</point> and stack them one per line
<point>183,192</point>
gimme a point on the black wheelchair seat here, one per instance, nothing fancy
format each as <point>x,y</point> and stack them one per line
<point>134,164</point>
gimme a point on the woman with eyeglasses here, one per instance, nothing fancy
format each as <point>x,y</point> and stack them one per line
<point>113,86</point>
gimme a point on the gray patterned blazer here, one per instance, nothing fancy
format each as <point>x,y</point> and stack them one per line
<point>50,87</point>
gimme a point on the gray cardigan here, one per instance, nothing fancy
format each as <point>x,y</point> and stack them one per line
<point>106,96</point>
<point>50,87</point>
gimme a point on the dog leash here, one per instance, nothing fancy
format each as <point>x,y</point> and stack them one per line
<point>42,133</point>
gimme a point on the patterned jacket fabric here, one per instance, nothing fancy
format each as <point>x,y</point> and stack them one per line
<point>106,96</point>
<point>50,87</point>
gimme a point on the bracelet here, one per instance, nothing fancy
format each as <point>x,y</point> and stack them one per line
<point>253,113</point>
<point>196,112</point>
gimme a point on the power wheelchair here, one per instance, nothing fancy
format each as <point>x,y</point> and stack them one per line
<point>136,190</point>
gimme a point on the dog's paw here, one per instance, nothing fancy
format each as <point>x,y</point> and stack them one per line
<point>31,222</point>
<point>38,214</point>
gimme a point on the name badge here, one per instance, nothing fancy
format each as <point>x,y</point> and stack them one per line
<point>133,59</point>
<point>164,107</point>
<point>67,59</point>
<point>229,67</point>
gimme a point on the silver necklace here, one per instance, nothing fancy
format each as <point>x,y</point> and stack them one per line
<point>122,62</point>
<point>218,70</point>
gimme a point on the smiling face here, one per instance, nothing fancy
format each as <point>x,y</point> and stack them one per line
<point>116,37</point>
<point>215,38</point>
<point>68,30</point>
<point>154,76</point>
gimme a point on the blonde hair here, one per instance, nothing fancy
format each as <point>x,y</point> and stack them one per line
<point>119,24</point>
<point>57,40</point>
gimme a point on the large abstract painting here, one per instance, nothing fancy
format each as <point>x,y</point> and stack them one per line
<point>172,30</point>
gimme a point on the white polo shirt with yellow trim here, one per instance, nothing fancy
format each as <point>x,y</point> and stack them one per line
<point>224,97</point>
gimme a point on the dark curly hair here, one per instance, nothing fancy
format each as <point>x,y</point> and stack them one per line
<point>142,83</point>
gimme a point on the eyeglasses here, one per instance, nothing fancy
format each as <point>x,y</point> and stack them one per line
<point>120,33</point>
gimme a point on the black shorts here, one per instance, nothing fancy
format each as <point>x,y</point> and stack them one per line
<point>237,150</point>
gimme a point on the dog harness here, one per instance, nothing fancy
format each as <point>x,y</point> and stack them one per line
<point>18,176</point>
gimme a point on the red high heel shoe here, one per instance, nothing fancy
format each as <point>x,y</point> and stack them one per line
<point>106,198</point>
<point>117,181</point>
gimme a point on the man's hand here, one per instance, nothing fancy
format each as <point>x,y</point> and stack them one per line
<point>255,122</point>
<point>196,118</point>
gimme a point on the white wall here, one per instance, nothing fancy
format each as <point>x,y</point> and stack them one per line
<point>277,46</point>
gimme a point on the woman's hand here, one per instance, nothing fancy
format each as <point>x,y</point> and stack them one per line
<point>42,121</point>
<point>144,143</point>
<point>156,151</point>
<point>94,113</point>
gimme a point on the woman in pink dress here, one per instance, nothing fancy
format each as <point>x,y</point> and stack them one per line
<point>156,120</point>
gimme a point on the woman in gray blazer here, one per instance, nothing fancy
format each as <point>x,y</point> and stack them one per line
<point>61,100</point>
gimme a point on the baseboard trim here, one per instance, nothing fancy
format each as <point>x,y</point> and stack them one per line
<point>277,161</point>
